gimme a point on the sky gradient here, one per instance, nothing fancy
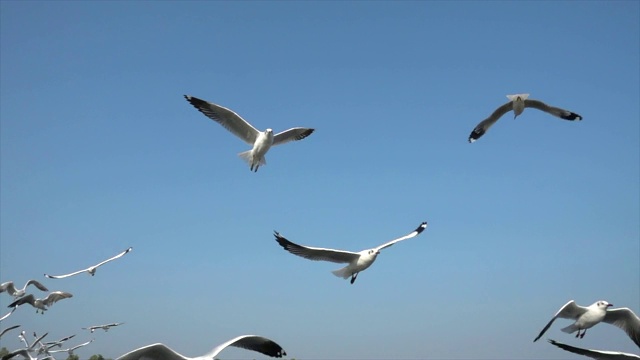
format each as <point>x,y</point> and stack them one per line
<point>99,151</point>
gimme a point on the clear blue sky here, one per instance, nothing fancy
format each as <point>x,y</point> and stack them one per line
<point>100,151</point>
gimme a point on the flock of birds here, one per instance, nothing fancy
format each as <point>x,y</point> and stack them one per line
<point>261,141</point>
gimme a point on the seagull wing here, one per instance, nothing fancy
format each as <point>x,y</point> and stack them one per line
<point>81,345</point>
<point>37,284</point>
<point>595,354</point>
<point>292,134</point>
<point>55,296</point>
<point>626,320</point>
<point>67,275</point>
<point>153,352</point>
<point>227,118</point>
<point>561,113</point>
<point>485,124</point>
<point>414,233</point>
<point>23,300</point>
<point>317,254</point>
<point>251,342</point>
<point>569,311</point>
<point>8,314</point>
<point>115,257</point>
<point>8,287</point>
<point>8,329</point>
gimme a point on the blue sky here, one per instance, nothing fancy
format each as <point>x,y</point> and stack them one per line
<point>99,151</point>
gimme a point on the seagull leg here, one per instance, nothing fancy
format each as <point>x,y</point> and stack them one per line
<point>583,332</point>
<point>578,334</point>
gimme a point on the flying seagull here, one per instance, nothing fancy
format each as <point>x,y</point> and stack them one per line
<point>16,293</point>
<point>26,352</point>
<point>7,314</point>
<point>249,342</point>
<point>8,329</point>
<point>41,304</point>
<point>586,317</point>
<point>51,344</point>
<point>91,269</point>
<point>261,141</point>
<point>358,261</point>
<point>517,103</point>
<point>103,327</point>
<point>596,354</point>
<point>71,349</point>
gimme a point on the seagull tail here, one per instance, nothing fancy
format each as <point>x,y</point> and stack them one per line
<point>247,156</point>
<point>569,329</point>
<point>343,273</point>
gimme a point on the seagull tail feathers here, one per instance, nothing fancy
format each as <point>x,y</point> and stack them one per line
<point>569,329</point>
<point>343,273</point>
<point>247,156</point>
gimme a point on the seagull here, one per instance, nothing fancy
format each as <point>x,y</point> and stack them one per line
<point>7,314</point>
<point>358,261</point>
<point>8,329</point>
<point>16,293</point>
<point>517,103</point>
<point>91,269</point>
<point>71,349</point>
<point>26,352</point>
<point>52,344</point>
<point>103,327</point>
<point>249,342</point>
<point>586,317</point>
<point>596,354</point>
<point>41,304</point>
<point>261,141</point>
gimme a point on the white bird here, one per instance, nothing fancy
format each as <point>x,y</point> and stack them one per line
<point>587,317</point>
<point>249,342</point>
<point>358,261</point>
<point>26,352</point>
<point>11,289</point>
<point>71,349</point>
<point>596,354</point>
<point>103,327</point>
<point>51,344</point>
<point>8,329</point>
<point>41,304</point>
<point>91,269</point>
<point>517,103</point>
<point>7,314</point>
<point>261,141</point>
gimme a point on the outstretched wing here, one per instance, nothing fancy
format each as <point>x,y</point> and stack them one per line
<point>561,113</point>
<point>37,284</point>
<point>23,300</point>
<point>115,257</point>
<point>626,320</point>
<point>595,354</point>
<point>569,311</point>
<point>8,314</point>
<point>56,296</point>
<point>227,118</point>
<point>153,352</point>
<point>317,254</point>
<point>485,124</point>
<point>412,234</point>
<point>251,342</point>
<point>8,329</point>
<point>66,275</point>
<point>8,287</point>
<point>292,134</point>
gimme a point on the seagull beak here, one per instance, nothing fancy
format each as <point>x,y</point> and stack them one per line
<point>609,305</point>
<point>378,252</point>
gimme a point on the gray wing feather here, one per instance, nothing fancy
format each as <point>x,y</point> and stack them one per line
<point>56,296</point>
<point>595,354</point>
<point>227,118</point>
<point>36,284</point>
<point>485,124</point>
<point>317,254</point>
<point>626,320</point>
<point>569,311</point>
<point>561,113</point>
<point>293,134</point>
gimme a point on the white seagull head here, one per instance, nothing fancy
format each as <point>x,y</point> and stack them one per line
<point>602,304</point>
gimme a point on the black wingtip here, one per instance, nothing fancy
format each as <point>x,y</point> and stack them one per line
<point>421,227</point>
<point>475,135</point>
<point>572,116</point>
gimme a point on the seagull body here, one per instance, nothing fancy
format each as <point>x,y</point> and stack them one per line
<point>596,354</point>
<point>518,103</point>
<point>16,293</point>
<point>71,349</point>
<point>249,342</point>
<point>587,317</point>
<point>357,261</point>
<point>91,269</point>
<point>8,329</point>
<point>41,304</point>
<point>103,327</point>
<point>260,140</point>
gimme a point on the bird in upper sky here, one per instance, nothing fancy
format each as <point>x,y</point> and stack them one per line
<point>587,317</point>
<point>357,261</point>
<point>91,269</point>
<point>250,342</point>
<point>103,327</point>
<point>16,293</point>
<point>517,103</point>
<point>261,141</point>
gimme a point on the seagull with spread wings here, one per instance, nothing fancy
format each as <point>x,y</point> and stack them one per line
<point>261,141</point>
<point>91,269</point>
<point>357,261</point>
<point>103,327</point>
<point>518,103</point>
<point>249,342</point>
<point>41,304</point>
<point>8,329</point>
<point>16,293</point>
<point>587,317</point>
<point>71,349</point>
<point>596,354</point>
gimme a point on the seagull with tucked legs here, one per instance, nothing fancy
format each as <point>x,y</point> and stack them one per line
<point>91,269</point>
<point>103,327</point>
<point>41,304</point>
